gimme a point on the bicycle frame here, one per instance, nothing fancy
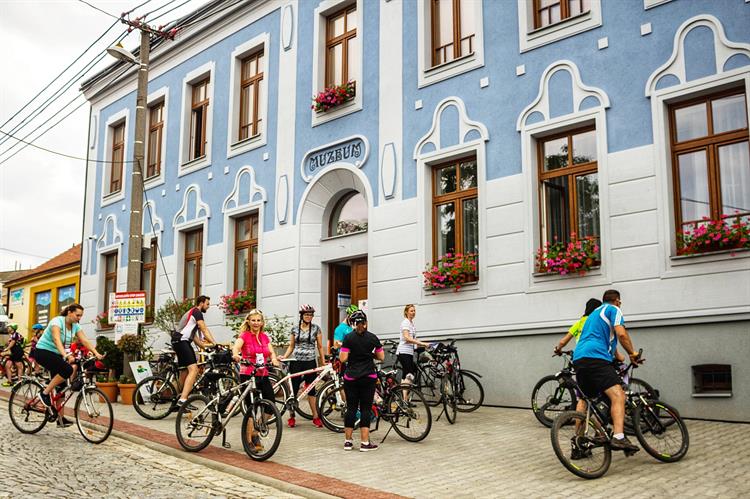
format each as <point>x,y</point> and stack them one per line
<point>324,371</point>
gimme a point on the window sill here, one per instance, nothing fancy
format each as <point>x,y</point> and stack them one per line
<point>450,69</point>
<point>547,276</point>
<point>535,38</point>
<point>154,181</point>
<point>471,285</point>
<point>194,165</point>
<point>551,28</point>
<point>339,236</point>
<point>246,145</point>
<point>712,395</point>
<point>711,256</point>
<point>348,107</point>
<point>113,197</point>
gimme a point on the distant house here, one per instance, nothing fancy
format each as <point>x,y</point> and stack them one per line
<point>39,294</point>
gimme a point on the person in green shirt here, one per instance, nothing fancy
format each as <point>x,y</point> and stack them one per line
<point>575,329</point>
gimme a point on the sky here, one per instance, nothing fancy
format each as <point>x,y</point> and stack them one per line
<point>41,194</point>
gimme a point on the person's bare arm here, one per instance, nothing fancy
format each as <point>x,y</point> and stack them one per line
<point>320,348</point>
<point>408,338</point>
<point>86,343</point>
<point>290,348</point>
<point>237,348</point>
<point>564,341</point>
<point>206,333</point>
<point>627,344</point>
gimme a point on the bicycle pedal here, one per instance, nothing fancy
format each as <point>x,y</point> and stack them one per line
<point>629,453</point>
<point>226,445</point>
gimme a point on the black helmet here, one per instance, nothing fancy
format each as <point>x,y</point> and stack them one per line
<point>358,316</point>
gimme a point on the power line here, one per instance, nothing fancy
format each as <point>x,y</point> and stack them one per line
<point>201,19</point>
<point>100,10</point>
<point>23,253</point>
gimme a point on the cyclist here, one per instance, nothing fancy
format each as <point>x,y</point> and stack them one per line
<point>305,344</point>
<point>38,330</point>
<point>191,329</point>
<point>52,350</point>
<point>358,351</point>
<point>405,350</point>
<point>575,329</point>
<point>593,361</point>
<point>344,328</point>
<point>14,350</point>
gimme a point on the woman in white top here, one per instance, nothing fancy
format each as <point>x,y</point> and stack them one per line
<point>407,343</point>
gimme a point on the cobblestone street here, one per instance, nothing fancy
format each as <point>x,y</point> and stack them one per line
<point>116,468</point>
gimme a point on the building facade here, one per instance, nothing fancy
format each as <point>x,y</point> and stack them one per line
<point>482,127</point>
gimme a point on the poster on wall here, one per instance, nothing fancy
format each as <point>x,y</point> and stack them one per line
<point>42,307</point>
<point>16,297</point>
<point>343,300</point>
<point>363,306</point>
<point>66,296</point>
<point>142,370</point>
<point>127,307</point>
<point>125,328</point>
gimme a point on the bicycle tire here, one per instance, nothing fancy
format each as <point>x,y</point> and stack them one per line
<point>414,408</point>
<point>330,411</point>
<point>637,385</point>
<point>194,422</point>
<point>20,407</point>
<point>549,398</point>
<point>465,401</point>
<point>561,428</point>
<point>162,399</point>
<point>281,393</point>
<point>656,420</point>
<point>429,388</point>
<point>91,427</point>
<point>449,399</point>
<point>260,424</point>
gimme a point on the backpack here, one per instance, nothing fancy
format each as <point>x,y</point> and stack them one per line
<point>177,332</point>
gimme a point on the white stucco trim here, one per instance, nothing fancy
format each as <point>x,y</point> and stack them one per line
<point>162,94</point>
<point>188,166</point>
<point>427,74</point>
<point>235,146</point>
<point>648,4</point>
<point>202,209</point>
<point>324,9</point>
<point>117,237</point>
<point>153,225</point>
<point>234,196</point>
<point>465,125</point>
<point>122,116</point>
<point>530,38</point>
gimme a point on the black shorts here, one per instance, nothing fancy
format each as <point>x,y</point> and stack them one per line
<point>53,362</point>
<point>16,354</point>
<point>185,353</point>
<point>407,364</point>
<point>594,376</point>
<point>303,365</point>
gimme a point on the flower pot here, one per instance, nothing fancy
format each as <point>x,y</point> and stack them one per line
<point>109,388</point>
<point>126,392</point>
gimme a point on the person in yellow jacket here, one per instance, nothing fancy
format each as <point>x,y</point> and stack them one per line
<point>575,329</point>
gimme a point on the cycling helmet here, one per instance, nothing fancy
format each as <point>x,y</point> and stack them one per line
<point>37,326</point>
<point>13,326</point>
<point>358,317</point>
<point>306,309</point>
<point>351,309</point>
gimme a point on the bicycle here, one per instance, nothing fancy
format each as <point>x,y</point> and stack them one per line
<point>283,388</point>
<point>200,419</point>
<point>554,394</point>
<point>581,441</point>
<point>93,410</point>
<point>155,397</point>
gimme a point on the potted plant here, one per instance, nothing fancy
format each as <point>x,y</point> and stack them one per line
<point>278,328</point>
<point>126,386</point>
<point>714,235</point>
<point>577,256</point>
<point>334,96</point>
<point>101,321</point>
<point>451,270</point>
<point>108,386</point>
<point>113,362</point>
<point>235,305</point>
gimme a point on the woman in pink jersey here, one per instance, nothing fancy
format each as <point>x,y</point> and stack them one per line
<point>254,345</point>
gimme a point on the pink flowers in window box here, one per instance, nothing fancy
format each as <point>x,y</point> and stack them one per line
<point>578,255</point>
<point>714,235</point>
<point>238,302</point>
<point>334,96</point>
<point>451,270</point>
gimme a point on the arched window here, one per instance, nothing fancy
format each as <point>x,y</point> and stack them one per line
<point>349,216</point>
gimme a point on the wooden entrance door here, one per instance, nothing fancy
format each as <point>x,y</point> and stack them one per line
<point>359,280</point>
<point>339,281</point>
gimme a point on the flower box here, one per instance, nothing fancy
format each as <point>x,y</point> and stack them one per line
<point>577,256</point>
<point>452,270</point>
<point>334,96</point>
<point>710,236</point>
<point>235,306</point>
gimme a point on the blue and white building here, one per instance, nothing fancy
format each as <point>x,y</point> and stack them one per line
<point>475,126</point>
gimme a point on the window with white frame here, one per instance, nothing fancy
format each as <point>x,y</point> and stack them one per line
<point>154,140</point>
<point>251,92</point>
<point>116,157</point>
<point>248,96</point>
<point>546,21</point>
<point>193,263</point>
<point>196,119</point>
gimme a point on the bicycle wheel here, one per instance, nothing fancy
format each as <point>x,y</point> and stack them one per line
<point>583,450</point>
<point>412,417</point>
<point>27,413</point>
<point>470,393</point>
<point>154,397</point>
<point>549,398</point>
<point>281,393</point>
<point>332,407</point>
<point>94,416</point>
<point>661,431</point>
<point>195,423</point>
<point>430,388</point>
<point>449,399</point>
<point>261,430</point>
<point>637,385</point>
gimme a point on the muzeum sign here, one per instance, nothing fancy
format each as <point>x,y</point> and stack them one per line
<point>353,150</point>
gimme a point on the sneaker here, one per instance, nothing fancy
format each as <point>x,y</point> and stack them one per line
<point>348,445</point>
<point>64,423</point>
<point>189,407</point>
<point>7,383</point>
<point>291,422</point>
<point>623,444</point>
<point>368,447</point>
<point>576,452</point>
<point>317,422</point>
<point>45,400</point>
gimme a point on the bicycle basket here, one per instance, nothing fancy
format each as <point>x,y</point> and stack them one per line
<point>223,357</point>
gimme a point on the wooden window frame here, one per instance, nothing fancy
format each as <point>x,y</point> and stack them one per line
<point>564,12</point>
<point>153,164</point>
<point>257,79</point>
<point>457,197</point>
<point>571,172</point>
<point>457,38</point>
<point>342,39</point>
<point>118,150</point>
<point>196,256</point>
<point>194,107</point>
<point>709,143</point>
<point>249,245</point>
<point>109,276</point>
<point>152,284</point>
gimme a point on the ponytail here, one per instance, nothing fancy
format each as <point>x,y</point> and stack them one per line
<point>70,309</point>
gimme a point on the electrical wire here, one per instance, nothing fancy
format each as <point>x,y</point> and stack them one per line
<point>100,10</point>
<point>201,19</point>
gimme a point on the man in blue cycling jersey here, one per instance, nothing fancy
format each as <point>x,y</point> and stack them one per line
<point>594,358</point>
